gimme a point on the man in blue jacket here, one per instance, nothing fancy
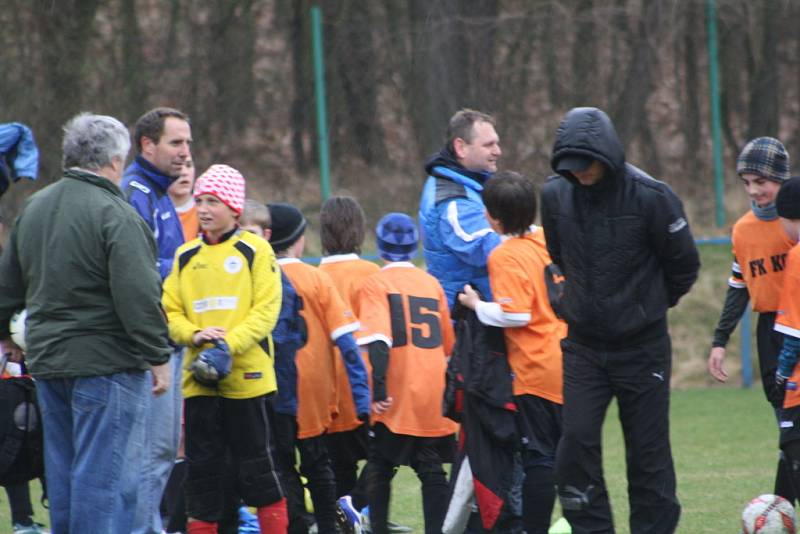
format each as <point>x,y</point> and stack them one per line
<point>163,140</point>
<point>457,238</point>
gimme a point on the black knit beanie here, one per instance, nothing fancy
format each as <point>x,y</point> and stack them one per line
<point>288,225</point>
<point>788,199</point>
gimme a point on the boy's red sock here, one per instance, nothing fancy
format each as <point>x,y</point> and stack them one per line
<point>273,518</point>
<point>201,527</point>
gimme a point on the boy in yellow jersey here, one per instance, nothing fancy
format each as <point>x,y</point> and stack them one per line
<point>760,246</point>
<point>342,226</point>
<point>533,333</point>
<point>787,322</point>
<point>407,331</point>
<point>329,324</point>
<point>225,289</point>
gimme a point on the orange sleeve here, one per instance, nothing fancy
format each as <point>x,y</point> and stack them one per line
<point>448,334</point>
<point>339,320</point>
<point>511,285</point>
<point>376,324</point>
<point>787,320</point>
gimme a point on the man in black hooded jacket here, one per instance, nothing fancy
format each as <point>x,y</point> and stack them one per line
<point>623,243</point>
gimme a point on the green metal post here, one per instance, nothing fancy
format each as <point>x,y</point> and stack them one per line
<point>716,128</point>
<point>319,93</point>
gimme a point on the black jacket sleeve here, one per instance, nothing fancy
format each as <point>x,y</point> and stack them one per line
<point>674,245</point>
<point>379,359</point>
<point>548,204</point>
<point>736,300</point>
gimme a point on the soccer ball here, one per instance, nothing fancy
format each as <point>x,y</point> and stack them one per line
<point>17,328</point>
<point>768,514</point>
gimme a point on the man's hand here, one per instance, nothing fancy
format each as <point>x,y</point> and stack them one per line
<point>207,334</point>
<point>11,350</point>
<point>380,407</point>
<point>469,297</point>
<point>161,378</point>
<point>715,360</point>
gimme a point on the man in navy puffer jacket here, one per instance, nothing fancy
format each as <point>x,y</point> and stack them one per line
<point>163,140</point>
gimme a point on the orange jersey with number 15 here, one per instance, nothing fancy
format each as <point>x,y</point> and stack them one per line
<point>406,308</point>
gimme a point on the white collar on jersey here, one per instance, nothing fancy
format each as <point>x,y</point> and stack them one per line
<point>333,258</point>
<point>398,264</point>
<point>284,261</point>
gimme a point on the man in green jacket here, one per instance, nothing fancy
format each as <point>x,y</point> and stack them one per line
<point>82,262</point>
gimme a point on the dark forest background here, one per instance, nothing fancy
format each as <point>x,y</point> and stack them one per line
<point>395,71</point>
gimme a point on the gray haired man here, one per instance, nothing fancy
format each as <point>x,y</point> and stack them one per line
<point>82,261</point>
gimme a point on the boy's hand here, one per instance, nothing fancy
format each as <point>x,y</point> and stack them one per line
<point>380,407</point>
<point>161,378</point>
<point>207,334</point>
<point>469,297</point>
<point>11,350</point>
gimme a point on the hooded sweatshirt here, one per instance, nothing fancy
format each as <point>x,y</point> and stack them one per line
<point>623,244</point>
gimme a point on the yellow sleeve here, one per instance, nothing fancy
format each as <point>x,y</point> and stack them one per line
<point>262,316</point>
<point>181,328</point>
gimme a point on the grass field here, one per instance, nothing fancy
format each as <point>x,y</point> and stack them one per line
<point>725,447</point>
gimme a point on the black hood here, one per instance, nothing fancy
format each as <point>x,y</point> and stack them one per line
<point>588,132</point>
<point>447,158</point>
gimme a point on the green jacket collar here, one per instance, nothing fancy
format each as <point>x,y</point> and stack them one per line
<point>94,179</point>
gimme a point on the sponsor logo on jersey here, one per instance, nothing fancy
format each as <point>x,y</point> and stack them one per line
<point>233,264</point>
<point>215,303</point>
<point>253,376</point>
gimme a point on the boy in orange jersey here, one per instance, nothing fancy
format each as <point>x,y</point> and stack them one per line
<point>520,285</point>
<point>342,226</point>
<point>760,246</point>
<point>408,334</point>
<point>787,322</point>
<point>328,324</point>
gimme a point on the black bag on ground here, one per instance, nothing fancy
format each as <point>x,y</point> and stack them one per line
<point>21,435</point>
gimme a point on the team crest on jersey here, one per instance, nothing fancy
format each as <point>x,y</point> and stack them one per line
<point>791,386</point>
<point>233,264</point>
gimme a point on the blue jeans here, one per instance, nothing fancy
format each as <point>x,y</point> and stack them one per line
<point>162,438</point>
<point>93,442</point>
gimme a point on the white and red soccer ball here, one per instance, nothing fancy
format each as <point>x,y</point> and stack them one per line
<point>769,514</point>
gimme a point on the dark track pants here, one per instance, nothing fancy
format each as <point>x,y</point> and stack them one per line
<point>638,376</point>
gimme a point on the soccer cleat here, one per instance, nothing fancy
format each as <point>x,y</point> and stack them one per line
<point>34,528</point>
<point>347,516</point>
<point>394,528</point>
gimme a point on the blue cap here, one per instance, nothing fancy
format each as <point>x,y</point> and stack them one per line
<point>397,237</point>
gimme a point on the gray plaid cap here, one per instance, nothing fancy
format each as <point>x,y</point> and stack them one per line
<point>764,156</point>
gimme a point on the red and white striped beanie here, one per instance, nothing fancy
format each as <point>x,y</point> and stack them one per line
<point>225,183</point>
